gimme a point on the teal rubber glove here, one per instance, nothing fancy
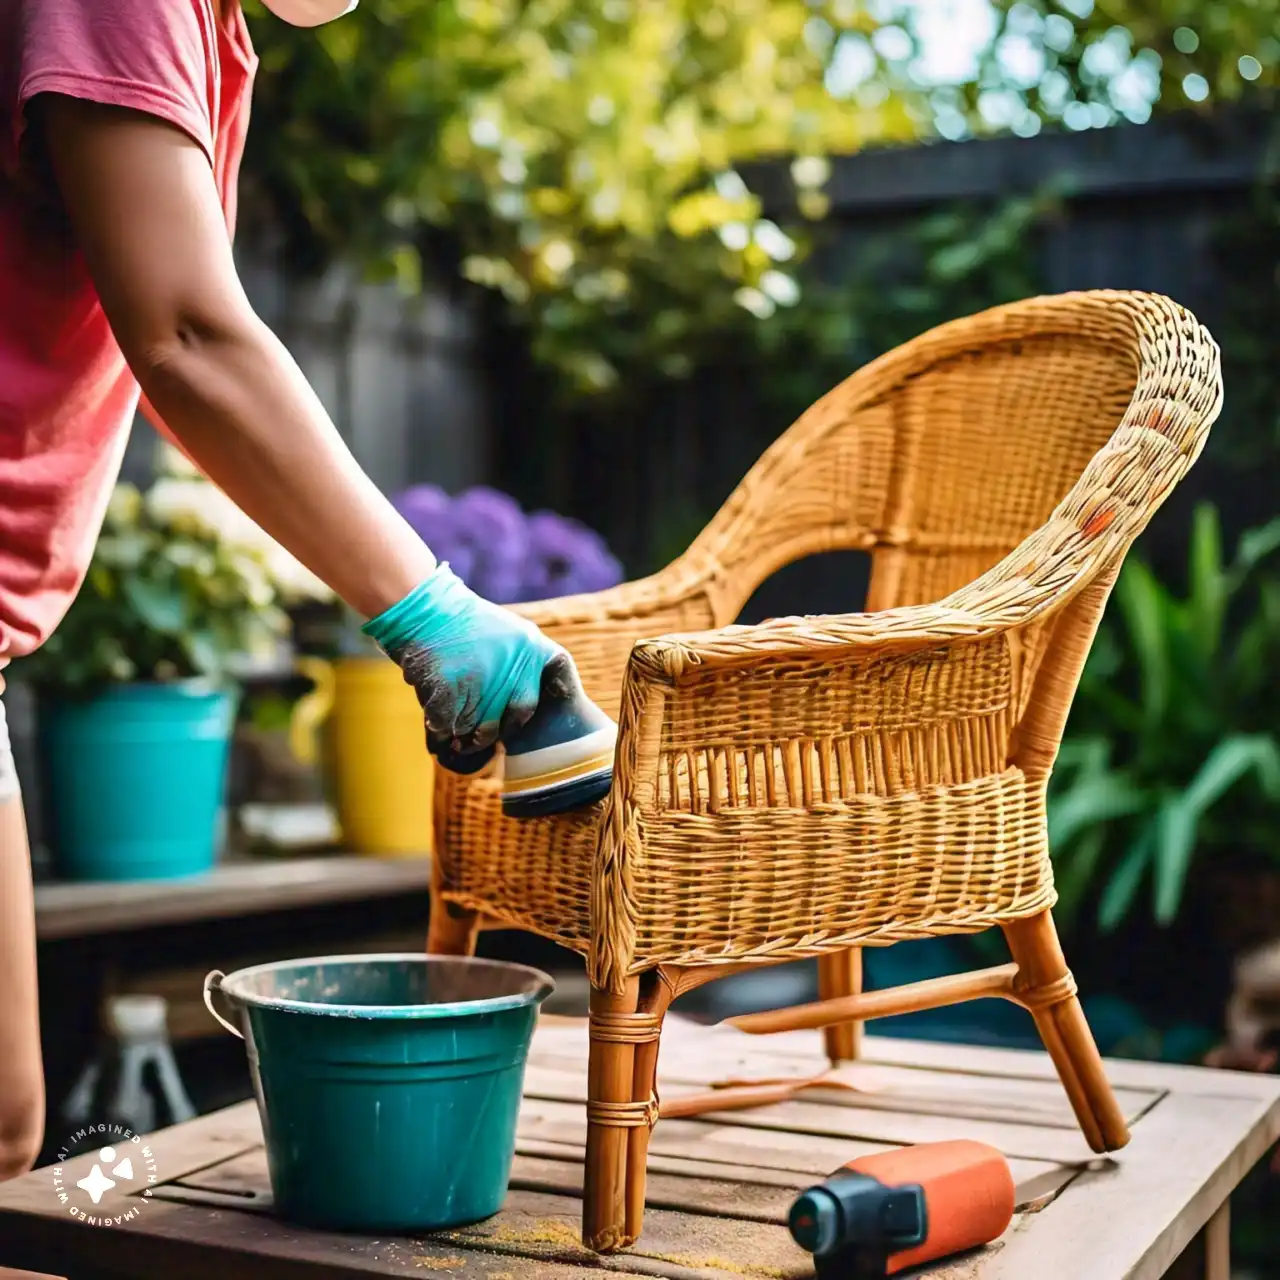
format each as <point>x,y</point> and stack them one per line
<point>477,668</point>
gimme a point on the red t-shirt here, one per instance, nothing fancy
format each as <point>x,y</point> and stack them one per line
<point>67,398</point>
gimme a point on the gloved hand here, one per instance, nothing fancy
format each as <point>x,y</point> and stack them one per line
<point>477,668</point>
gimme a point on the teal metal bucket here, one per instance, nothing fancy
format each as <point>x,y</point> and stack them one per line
<point>388,1085</point>
<point>136,779</point>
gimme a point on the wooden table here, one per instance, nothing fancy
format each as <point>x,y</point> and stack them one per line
<point>231,890</point>
<point>719,1188</point>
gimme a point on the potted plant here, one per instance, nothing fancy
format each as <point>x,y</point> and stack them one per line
<point>137,686</point>
<point>377,754</point>
<point>1172,759</point>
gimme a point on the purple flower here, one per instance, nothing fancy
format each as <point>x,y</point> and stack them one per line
<point>461,559</point>
<point>487,515</point>
<point>501,553</point>
<point>503,584</point>
<point>427,509</point>
<point>570,557</point>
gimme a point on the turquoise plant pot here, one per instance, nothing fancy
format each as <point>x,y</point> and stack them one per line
<point>135,780</point>
<point>389,1086</point>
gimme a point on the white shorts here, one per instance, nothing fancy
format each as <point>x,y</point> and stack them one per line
<point>9,788</point>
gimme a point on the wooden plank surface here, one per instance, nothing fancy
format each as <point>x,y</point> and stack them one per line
<point>1132,1216</point>
<point>719,1187</point>
<point>229,891</point>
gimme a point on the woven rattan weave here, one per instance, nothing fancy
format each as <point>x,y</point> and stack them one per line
<point>812,785</point>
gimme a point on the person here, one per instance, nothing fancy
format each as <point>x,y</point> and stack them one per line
<point>124,123</point>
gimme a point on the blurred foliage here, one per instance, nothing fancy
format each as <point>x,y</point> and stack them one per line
<point>166,598</point>
<point>1249,253</point>
<point>582,158</point>
<point>1091,63</point>
<point>1171,751</point>
<point>1230,46</point>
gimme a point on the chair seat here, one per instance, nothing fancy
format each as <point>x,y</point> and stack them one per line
<point>867,870</point>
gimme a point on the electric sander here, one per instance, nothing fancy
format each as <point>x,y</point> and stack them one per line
<point>561,759</point>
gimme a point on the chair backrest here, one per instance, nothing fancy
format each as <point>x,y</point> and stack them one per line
<point>939,458</point>
<point>942,457</point>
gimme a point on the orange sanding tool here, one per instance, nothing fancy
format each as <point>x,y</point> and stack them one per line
<point>882,1214</point>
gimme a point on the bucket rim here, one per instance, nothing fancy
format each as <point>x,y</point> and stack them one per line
<point>494,1004</point>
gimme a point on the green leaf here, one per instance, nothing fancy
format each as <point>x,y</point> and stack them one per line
<point>1175,839</point>
<point>1088,753</point>
<point>1145,606</point>
<point>1121,889</point>
<point>1255,546</point>
<point>101,580</point>
<point>205,652</point>
<point>957,260</point>
<point>1228,762</point>
<point>1094,799</point>
<point>1074,874</point>
<point>1208,585</point>
<point>1179,819</point>
<point>162,607</point>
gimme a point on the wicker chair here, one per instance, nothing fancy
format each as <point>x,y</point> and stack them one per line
<point>809,786</point>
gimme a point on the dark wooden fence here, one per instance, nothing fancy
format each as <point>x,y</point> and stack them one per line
<point>401,378</point>
<point>1148,207</point>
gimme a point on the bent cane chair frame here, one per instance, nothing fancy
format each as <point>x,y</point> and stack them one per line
<point>810,786</point>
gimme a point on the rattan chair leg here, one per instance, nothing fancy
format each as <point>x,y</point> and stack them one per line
<point>657,991</point>
<point>452,930</point>
<point>1045,986</point>
<point>612,1113</point>
<point>840,974</point>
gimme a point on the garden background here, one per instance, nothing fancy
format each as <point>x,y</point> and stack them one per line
<point>599,253</point>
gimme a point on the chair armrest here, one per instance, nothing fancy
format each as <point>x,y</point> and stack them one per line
<point>814,799</point>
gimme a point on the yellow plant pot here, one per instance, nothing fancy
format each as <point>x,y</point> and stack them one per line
<point>381,772</point>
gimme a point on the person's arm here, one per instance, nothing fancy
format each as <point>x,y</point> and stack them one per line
<point>145,212</point>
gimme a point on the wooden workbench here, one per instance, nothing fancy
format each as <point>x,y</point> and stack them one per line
<point>719,1189</point>
<point>231,890</point>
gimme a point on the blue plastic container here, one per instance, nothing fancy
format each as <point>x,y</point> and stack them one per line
<point>136,779</point>
<point>389,1086</point>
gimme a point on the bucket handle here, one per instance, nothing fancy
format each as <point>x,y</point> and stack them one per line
<point>213,988</point>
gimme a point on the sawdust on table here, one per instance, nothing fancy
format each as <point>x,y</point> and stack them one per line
<point>971,1265</point>
<point>554,1231</point>
<point>439,1264</point>
<point>718,1264</point>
